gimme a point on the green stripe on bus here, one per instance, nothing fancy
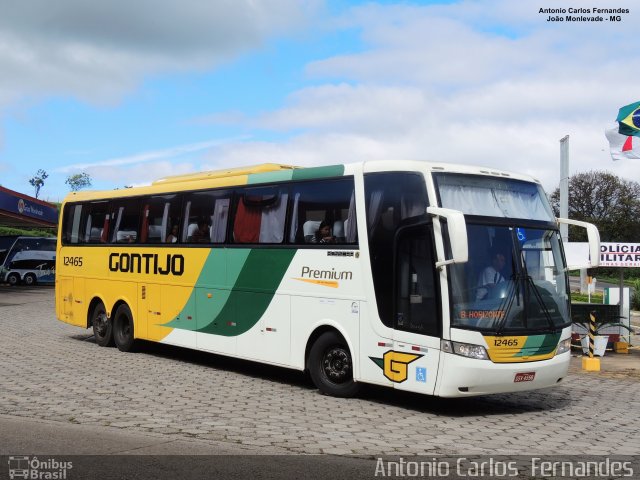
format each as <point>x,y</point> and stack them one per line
<point>296,174</point>
<point>539,345</point>
<point>267,177</point>
<point>255,287</point>
<point>252,276</point>
<point>218,275</point>
<point>318,172</point>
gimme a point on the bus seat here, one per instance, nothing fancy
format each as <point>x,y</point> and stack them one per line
<point>309,229</point>
<point>191,229</point>
<point>126,236</point>
<point>95,235</point>
<point>338,231</point>
<point>155,233</point>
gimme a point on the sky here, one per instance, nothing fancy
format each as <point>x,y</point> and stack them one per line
<point>130,92</point>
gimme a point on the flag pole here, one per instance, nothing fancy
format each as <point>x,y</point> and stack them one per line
<point>564,186</point>
<point>564,200</point>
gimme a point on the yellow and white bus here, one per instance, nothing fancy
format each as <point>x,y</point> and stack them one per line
<point>440,279</point>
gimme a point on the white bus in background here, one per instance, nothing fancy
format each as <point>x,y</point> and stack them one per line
<point>28,260</point>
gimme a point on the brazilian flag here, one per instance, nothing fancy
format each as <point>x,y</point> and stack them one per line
<point>629,120</point>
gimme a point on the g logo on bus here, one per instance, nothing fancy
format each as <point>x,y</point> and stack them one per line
<point>395,365</point>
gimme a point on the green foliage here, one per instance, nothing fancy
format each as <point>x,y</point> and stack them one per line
<point>26,232</point>
<point>584,298</point>
<point>606,200</point>
<point>635,295</point>
<point>37,181</point>
<point>601,324</point>
<point>78,181</point>
<point>612,275</point>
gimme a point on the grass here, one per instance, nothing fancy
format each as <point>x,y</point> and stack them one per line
<point>584,298</point>
<point>629,282</point>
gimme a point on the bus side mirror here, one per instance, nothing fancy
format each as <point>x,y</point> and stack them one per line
<point>457,229</point>
<point>594,243</point>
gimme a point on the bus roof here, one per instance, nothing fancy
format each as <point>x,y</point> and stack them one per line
<point>435,167</point>
<point>272,172</point>
<point>229,172</point>
<point>264,173</point>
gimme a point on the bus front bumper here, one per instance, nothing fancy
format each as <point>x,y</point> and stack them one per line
<point>461,376</point>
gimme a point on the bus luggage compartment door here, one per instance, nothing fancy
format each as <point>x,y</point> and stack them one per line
<point>70,292</point>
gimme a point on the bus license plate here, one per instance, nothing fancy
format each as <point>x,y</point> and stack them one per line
<point>524,377</point>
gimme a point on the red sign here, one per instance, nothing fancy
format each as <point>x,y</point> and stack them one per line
<point>524,377</point>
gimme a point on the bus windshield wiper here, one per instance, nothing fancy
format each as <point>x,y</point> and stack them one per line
<point>545,310</point>
<point>508,303</point>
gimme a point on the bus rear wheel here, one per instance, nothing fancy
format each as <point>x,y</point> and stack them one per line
<point>331,366</point>
<point>123,329</point>
<point>102,327</point>
<point>30,279</point>
<point>13,279</point>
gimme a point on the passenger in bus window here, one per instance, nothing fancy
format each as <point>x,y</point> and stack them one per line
<point>202,234</point>
<point>323,235</point>
<point>173,235</point>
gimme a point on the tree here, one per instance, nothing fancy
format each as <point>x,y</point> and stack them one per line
<point>37,181</point>
<point>606,200</point>
<point>78,181</point>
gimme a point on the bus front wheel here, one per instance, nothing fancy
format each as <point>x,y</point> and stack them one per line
<point>123,329</point>
<point>331,366</point>
<point>102,326</point>
<point>13,279</point>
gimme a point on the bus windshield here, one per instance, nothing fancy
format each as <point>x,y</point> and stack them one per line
<point>493,196</point>
<point>514,281</point>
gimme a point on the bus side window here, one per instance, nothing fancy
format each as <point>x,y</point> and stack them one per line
<point>71,225</point>
<point>125,219</point>
<point>160,216</point>
<point>95,219</point>
<point>205,216</point>
<point>260,215</point>
<point>331,201</point>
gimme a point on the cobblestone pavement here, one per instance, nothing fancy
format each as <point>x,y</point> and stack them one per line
<point>55,372</point>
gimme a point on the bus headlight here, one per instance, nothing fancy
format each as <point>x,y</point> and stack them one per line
<point>564,346</point>
<point>464,349</point>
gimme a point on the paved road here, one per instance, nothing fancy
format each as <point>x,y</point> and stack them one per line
<point>126,454</point>
<point>574,285</point>
<point>200,403</point>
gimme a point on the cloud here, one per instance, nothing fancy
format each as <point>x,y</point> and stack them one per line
<point>98,51</point>
<point>143,157</point>
<point>490,83</point>
<point>364,108</point>
<point>137,174</point>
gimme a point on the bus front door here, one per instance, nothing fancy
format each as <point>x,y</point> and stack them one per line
<point>416,353</point>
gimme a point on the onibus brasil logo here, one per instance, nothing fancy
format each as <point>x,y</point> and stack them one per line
<point>34,468</point>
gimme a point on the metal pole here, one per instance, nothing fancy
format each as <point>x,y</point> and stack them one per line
<point>564,202</point>
<point>622,312</point>
<point>592,333</point>
<point>591,363</point>
<point>564,186</point>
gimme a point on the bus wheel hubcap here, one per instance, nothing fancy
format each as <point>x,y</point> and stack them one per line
<point>125,329</point>
<point>336,365</point>
<point>101,323</point>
